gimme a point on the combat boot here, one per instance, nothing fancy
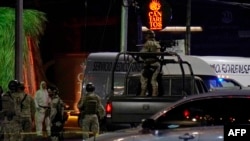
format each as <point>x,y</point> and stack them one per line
<point>154,91</point>
<point>143,92</point>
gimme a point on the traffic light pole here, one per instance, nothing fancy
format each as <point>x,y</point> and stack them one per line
<point>124,26</point>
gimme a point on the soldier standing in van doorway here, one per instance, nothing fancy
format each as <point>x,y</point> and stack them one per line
<point>151,64</point>
<point>90,105</point>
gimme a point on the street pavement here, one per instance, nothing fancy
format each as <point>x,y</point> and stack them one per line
<point>72,132</point>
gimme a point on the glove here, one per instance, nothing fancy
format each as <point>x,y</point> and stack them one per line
<point>58,123</point>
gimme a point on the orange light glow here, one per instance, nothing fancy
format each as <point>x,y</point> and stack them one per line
<point>29,76</point>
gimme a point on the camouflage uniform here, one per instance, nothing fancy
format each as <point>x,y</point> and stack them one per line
<point>92,113</point>
<point>11,122</point>
<point>151,45</point>
<point>42,114</point>
<point>25,110</point>
<point>57,117</point>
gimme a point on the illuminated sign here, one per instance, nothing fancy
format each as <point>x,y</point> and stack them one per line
<point>155,15</point>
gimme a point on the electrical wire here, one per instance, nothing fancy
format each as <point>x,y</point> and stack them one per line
<point>106,22</point>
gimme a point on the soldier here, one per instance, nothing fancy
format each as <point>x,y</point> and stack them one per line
<point>25,110</point>
<point>11,123</point>
<point>93,109</point>
<point>151,64</point>
<point>42,103</point>
<point>56,115</point>
<point>1,113</point>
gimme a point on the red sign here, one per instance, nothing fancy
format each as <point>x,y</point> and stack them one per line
<point>156,14</point>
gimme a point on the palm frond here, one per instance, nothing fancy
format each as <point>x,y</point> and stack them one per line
<point>34,22</point>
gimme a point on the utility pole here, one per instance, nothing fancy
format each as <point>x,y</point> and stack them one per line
<point>19,40</point>
<point>188,31</point>
<point>124,25</point>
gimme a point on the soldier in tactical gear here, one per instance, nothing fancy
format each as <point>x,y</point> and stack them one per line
<point>151,64</point>
<point>25,110</point>
<point>57,114</point>
<point>90,105</point>
<point>11,123</point>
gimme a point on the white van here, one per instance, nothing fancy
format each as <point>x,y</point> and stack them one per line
<point>237,68</point>
<point>99,67</point>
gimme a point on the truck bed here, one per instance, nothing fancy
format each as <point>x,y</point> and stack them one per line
<point>132,109</point>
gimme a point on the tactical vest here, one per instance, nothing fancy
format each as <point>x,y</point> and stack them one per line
<point>59,108</point>
<point>90,105</point>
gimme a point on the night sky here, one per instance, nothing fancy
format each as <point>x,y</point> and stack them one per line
<point>94,25</point>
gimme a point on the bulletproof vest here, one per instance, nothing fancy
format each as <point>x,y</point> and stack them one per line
<point>59,109</point>
<point>149,47</point>
<point>90,105</point>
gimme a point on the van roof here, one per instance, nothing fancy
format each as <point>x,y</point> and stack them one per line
<point>226,59</point>
<point>199,66</point>
<point>101,55</point>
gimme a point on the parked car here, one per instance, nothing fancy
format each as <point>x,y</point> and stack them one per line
<point>194,118</point>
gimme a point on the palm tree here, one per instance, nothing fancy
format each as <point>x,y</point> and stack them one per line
<point>34,22</point>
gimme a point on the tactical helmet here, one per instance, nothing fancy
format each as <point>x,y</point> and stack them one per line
<point>53,90</point>
<point>90,87</point>
<point>13,84</point>
<point>150,34</point>
<point>20,85</point>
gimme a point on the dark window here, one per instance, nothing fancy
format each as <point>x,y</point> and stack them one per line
<point>207,112</point>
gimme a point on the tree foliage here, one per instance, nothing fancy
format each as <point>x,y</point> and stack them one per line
<point>33,27</point>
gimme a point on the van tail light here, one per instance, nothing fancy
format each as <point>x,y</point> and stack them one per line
<point>108,109</point>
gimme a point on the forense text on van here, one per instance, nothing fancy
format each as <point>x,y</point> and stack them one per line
<point>231,68</point>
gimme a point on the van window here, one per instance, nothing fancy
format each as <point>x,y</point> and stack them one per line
<point>103,83</point>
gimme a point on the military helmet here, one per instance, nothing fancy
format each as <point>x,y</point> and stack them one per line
<point>90,87</point>
<point>13,85</point>
<point>150,34</point>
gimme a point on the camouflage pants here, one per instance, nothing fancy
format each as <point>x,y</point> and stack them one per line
<point>154,83</point>
<point>12,131</point>
<point>90,123</point>
<point>26,126</point>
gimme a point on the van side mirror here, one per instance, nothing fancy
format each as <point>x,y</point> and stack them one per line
<point>148,124</point>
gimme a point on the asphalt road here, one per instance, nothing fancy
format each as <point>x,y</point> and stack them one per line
<point>72,132</point>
